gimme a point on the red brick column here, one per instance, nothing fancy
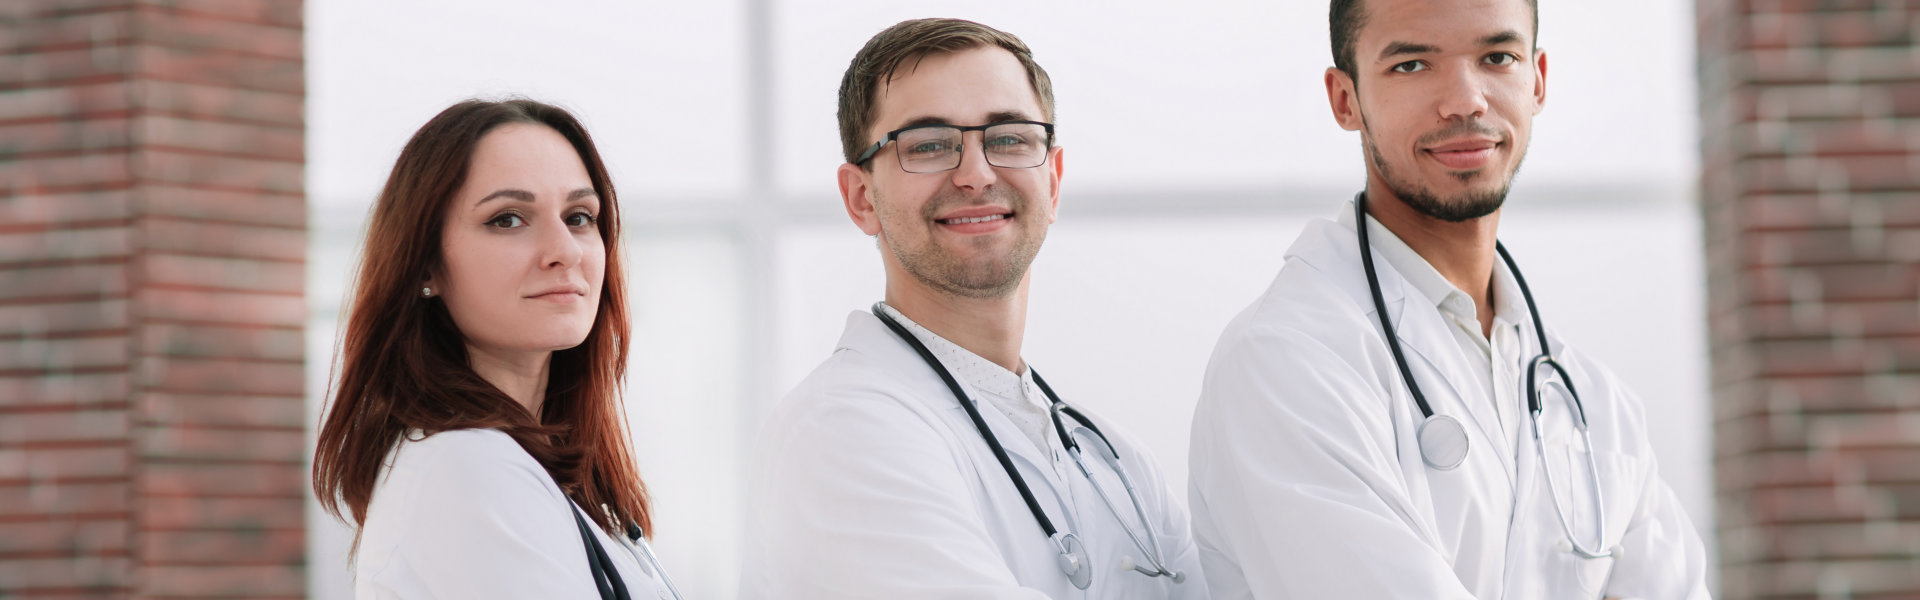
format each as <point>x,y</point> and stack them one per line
<point>152,258</point>
<point>1811,196</point>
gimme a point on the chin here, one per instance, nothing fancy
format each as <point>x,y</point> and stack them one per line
<point>561,338</point>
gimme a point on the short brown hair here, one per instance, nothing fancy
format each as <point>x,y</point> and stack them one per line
<point>913,40</point>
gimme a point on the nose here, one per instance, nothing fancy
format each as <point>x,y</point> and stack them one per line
<point>1465,96</point>
<point>560,247</point>
<point>974,173</point>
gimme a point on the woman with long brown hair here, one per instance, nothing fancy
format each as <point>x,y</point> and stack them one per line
<point>475,436</point>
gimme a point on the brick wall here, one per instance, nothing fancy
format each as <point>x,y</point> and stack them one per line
<point>152,251</point>
<point>1810,123</point>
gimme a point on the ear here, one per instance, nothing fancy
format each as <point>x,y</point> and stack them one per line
<point>1342,98</point>
<point>1055,169</point>
<point>856,188</point>
<point>1539,81</point>
<point>436,278</point>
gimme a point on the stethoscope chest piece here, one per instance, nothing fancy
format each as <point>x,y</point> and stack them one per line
<point>1443,442</point>
<point>1073,559</point>
<point>1072,554</point>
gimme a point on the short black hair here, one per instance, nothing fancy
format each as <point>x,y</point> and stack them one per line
<point>1346,17</point>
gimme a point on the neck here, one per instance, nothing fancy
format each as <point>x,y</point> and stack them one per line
<point>522,375</point>
<point>1462,252</point>
<point>990,327</point>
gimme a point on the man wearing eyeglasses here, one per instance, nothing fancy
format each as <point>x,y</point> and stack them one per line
<point>925,458</point>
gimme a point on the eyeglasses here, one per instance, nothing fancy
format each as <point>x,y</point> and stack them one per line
<point>936,148</point>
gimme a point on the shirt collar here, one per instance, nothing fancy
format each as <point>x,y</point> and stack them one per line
<point>984,375</point>
<point>1508,305</point>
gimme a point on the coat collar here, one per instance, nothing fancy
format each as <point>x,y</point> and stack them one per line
<point>1333,249</point>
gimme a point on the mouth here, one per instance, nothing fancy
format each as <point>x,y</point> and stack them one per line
<point>982,219</point>
<point>560,294</point>
<point>1463,154</point>
<point>970,220</point>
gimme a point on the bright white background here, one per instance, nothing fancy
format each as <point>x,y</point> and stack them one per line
<point>717,119</point>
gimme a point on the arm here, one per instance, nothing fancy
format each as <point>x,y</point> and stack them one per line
<point>1175,527</point>
<point>860,497</point>
<point>1296,478</point>
<point>1661,553</point>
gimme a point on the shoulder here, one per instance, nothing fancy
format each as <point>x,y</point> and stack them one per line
<point>859,412</point>
<point>1306,351</point>
<point>1304,321</point>
<point>855,387</point>
<point>464,464</point>
<point>468,514</point>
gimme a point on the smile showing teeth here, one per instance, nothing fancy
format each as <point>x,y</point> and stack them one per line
<point>965,220</point>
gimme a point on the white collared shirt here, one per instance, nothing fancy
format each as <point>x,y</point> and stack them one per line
<point>1013,394</point>
<point>1498,366</point>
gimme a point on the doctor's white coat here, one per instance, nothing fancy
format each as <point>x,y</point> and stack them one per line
<point>1307,480</point>
<point>871,482</point>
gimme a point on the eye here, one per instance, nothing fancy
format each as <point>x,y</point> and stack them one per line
<point>506,221</point>
<point>931,147</point>
<point>1007,141</point>
<point>1412,66</point>
<point>1502,59</point>
<point>582,219</point>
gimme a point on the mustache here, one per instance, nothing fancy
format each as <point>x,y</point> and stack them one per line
<point>1461,128</point>
<point>995,196</point>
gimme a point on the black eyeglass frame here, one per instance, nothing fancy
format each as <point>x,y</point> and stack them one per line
<point>895,135</point>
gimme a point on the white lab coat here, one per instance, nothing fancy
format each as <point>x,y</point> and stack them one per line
<point>871,482</point>
<point>1307,479</point>
<point>468,514</point>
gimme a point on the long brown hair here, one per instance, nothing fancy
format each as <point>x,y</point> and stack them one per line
<point>403,362</point>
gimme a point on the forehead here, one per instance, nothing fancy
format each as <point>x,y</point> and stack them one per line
<point>514,142</point>
<point>963,88</point>
<point>525,151</point>
<point>1450,25</point>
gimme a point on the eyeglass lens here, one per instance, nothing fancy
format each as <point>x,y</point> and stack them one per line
<point>1009,145</point>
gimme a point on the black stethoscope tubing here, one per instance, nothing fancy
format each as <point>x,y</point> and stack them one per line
<point>1534,406</point>
<point>1393,340</point>
<point>1072,556</point>
<point>999,452</point>
<point>606,578</point>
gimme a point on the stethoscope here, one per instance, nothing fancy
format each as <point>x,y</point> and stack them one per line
<point>1073,556</point>
<point>606,577</point>
<point>1443,441</point>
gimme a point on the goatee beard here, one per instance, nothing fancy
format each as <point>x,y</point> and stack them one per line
<point>1465,207</point>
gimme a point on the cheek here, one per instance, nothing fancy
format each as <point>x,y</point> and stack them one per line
<point>480,271</point>
<point>1032,183</point>
<point>593,262</point>
<point>893,211</point>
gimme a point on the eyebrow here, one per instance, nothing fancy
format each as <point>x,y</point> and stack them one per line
<point>1504,37</point>
<point>993,117</point>
<point>1404,48</point>
<point>526,196</point>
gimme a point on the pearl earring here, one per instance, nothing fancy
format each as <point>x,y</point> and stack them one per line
<point>426,292</point>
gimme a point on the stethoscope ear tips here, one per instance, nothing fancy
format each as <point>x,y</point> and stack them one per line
<point>1127,564</point>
